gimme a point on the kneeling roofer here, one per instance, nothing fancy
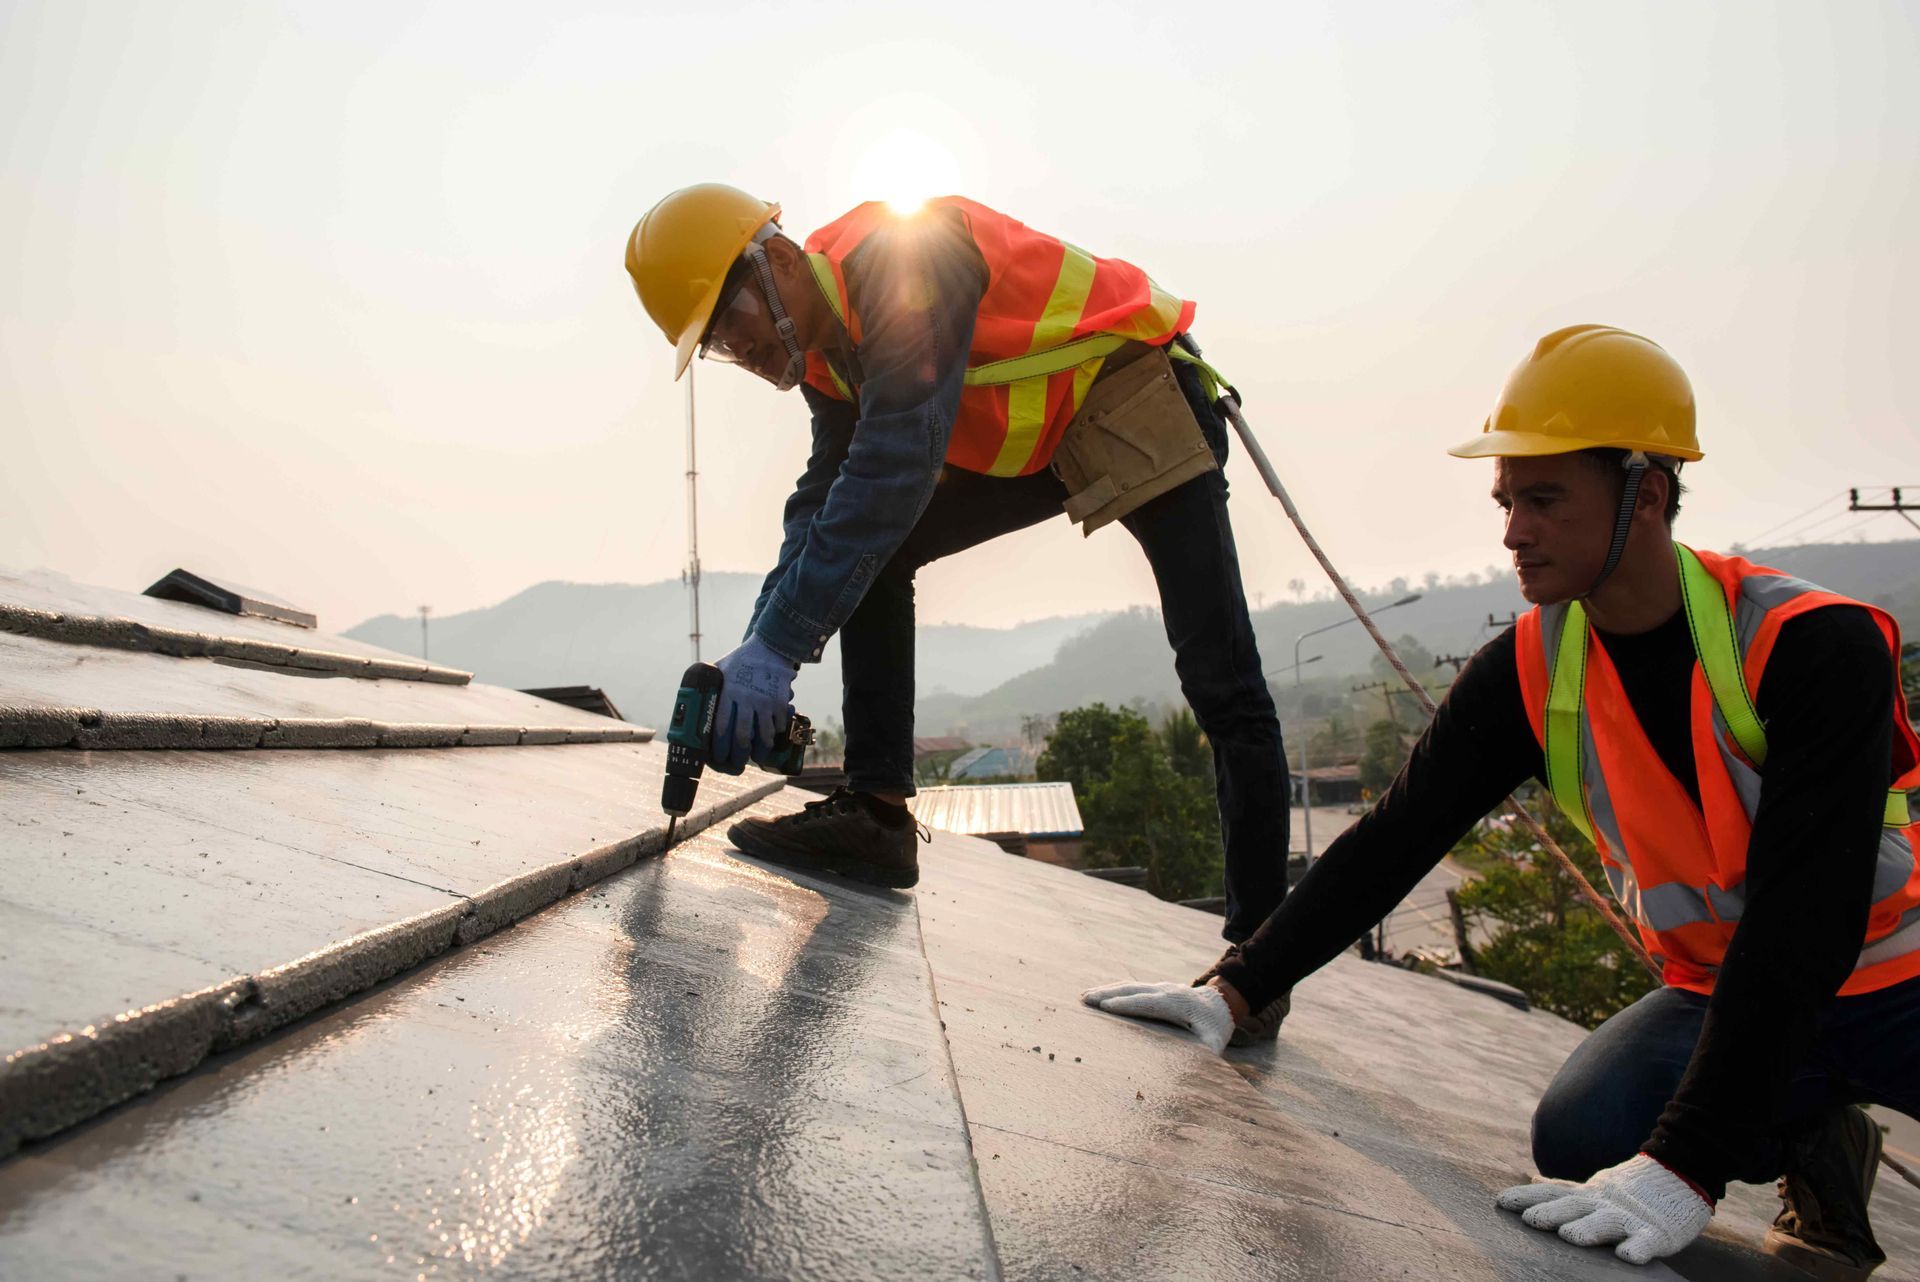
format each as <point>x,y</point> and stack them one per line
<point>1735,742</point>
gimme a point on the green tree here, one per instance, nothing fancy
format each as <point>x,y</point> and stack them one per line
<point>829,745</point>
<point>1186,746</point>
<point>1417,657</point>
<point>1138,807</point>
<point>1546,940</point>
<point>1080,749</point>
<point>1383,757</point>
<point>1331,741</point>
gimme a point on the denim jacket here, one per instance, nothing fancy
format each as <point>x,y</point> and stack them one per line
<point>916,288</point>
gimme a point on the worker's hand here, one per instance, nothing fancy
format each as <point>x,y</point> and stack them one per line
<point>1642,1205</point>
<point>756,697</point>
<point>1201,1011</point>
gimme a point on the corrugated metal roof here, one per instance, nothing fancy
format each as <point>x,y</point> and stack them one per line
<point>1034,809</point>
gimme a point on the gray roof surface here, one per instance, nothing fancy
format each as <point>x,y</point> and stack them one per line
<point>292,972</point>
<point>44,590</point>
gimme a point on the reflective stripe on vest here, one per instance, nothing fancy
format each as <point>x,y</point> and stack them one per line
<point>1684,885</point>
<point>1034,354</point>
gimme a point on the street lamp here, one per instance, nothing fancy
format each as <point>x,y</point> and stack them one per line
<point>1306,779</point>
<point>1352,618</point>
<point>1306,784</point>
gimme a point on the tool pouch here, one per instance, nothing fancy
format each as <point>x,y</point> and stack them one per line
<point>1134,439</point>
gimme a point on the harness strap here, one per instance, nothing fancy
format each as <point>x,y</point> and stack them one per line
<point>1711,623</point>
<point>1566,707</point>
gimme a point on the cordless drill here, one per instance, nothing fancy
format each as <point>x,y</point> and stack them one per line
<point>690,741</point>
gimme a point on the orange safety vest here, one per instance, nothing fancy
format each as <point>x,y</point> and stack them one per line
<point>1052,313</point>
<point>1678,868</point>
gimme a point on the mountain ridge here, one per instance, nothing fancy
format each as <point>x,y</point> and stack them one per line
<point>631,640</point>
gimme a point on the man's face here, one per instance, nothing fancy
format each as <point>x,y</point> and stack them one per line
<point>1560,514</point>
<point>743,334</point>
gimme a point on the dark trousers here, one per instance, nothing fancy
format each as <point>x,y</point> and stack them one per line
<point>1189,543</point>
<point>1604,1102</point>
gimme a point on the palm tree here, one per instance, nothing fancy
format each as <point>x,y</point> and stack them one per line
<point>1185,746</point>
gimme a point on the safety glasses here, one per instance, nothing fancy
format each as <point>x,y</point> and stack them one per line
<point>740,316</point>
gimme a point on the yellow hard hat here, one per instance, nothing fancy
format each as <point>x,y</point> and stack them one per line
<point>1591,387</point>
<point>679,254</point>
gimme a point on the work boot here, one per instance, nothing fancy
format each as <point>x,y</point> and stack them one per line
<point>847,832</point>
<point>1262,1025</point>
<point>1822,1229</point>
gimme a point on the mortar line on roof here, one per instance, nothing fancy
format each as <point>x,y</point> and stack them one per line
<point>959,1095</point>
<point>1263,1194</point>
<point>108,931</point>
<point>164,809</point>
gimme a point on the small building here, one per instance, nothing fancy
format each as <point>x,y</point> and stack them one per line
<point>1331,785</point>
<point>1039,820</point>
<point>990,763</point>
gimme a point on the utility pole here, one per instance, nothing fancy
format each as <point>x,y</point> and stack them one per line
<point>1512,618</point>
<point>691,575</point>
<point>1386,693</point>
<point>425,610</point>
<point>1905,509</point>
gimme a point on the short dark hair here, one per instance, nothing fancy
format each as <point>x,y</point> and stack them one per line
<point>1611,463</point>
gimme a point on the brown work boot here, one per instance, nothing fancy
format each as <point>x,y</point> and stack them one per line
<point>847,832</point>
<point>1262,1025</point>
<point>1822,1229</point>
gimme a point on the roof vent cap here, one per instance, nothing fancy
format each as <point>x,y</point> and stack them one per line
<point>228,598</point>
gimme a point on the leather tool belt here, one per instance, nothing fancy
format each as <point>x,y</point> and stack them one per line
<point>1134,439</point>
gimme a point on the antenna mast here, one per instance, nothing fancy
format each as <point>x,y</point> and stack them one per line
<point>692,573</point>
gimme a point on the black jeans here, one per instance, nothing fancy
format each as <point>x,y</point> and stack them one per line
<point>1605,1099</point>
<point>1189,543</point>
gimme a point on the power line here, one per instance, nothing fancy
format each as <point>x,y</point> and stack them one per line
<point>1841,533</point>
<point>1806,532</point>
<point>1790,520</point>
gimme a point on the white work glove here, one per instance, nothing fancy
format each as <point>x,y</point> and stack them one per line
<point>1646,1208</point>
<point>1202,1011</point>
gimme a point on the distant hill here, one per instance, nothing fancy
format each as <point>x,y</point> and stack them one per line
<point>632,640</point>
<point>1126,658</point>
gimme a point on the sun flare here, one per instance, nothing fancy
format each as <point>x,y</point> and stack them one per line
<point>904,168</point>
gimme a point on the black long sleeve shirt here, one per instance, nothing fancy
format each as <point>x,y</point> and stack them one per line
<point>1827,702</point>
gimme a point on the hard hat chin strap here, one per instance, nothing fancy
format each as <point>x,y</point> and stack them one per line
<point>1636,464</point>
<point>763,267</point>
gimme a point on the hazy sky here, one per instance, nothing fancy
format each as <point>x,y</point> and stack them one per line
<point>328,297</point>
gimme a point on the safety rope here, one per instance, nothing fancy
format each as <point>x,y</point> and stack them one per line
<point>1231,404</point>
<point>1900,1168</point>
<point>1514,806</point>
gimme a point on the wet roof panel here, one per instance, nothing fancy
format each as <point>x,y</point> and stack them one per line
<point>690,1065</point>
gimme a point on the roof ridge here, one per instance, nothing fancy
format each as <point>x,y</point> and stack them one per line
<point>94,729</point>
<point>117,633</point>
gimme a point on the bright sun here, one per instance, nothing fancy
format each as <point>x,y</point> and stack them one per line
<point>904,167</point>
